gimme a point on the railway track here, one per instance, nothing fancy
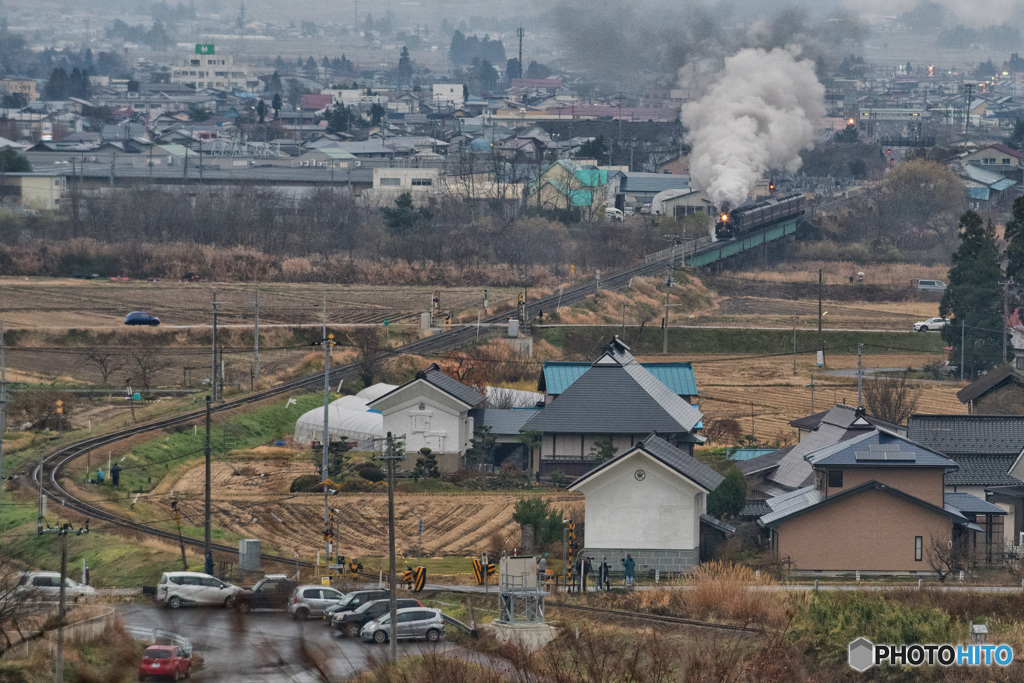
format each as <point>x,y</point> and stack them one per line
<point>47,474</point>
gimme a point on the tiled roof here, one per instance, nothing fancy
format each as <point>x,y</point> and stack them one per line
<point>556,376</point>
<point>453,387</point>
<point>966,503</point>
<point>717,524</point>
<point>803,500</point>
<point>670,456</point>
<point>839,414</point>
<point>616,395</point>
<point>988,382</point>
<point>794,471</point>
<point>879,449</point>
<point>763,462</point>
<point>976,434</point>
<point>755,508</point>
<point>982,470</point>
<point>503,422</point>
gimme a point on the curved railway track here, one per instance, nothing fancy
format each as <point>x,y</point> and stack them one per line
<point>47,474</point>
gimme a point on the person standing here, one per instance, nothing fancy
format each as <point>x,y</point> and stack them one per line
<point>602,574</point>
<point>629,564</point>
<point>115,475</point>
<point>542,567</point>
<point>587,568</point>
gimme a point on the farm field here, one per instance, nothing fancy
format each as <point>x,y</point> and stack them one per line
<point>59,304</point>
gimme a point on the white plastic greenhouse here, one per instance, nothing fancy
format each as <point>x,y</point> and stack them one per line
<point>347,420</point>
<point>375,391</point>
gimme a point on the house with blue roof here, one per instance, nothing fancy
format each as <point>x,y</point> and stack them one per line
<point>616,398</point>
<point>568,186</point>
<point>878,504</point>
<point>557,376</point>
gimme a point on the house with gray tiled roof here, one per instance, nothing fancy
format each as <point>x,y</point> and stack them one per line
<point>649,501</point>
<point>617,399</point>
<point>878,504</point>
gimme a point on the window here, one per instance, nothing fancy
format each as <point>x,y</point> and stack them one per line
<point>311,593</point>
<point>422,182</point>
<point>1006,161</point>
<point>835,479</point>
<point>390,182</point>
<point>918,548</point>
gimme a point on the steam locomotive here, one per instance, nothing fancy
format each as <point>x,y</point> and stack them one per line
<point>751,217</point>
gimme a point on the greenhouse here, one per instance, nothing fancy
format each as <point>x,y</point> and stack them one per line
<point>349,420</point>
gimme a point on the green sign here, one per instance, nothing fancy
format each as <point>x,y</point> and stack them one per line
<point>204,49</point>
<point>386,322</point>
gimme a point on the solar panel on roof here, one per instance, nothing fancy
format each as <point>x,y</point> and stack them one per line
<point>887,456</point>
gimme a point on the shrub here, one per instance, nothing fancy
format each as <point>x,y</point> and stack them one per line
<point>834,618</point>
<point>305,483</point>
<point>371,472</point>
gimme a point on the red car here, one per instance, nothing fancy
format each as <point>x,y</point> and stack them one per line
<point>166,661</point>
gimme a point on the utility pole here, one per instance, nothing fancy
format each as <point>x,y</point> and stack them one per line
<point>256,343</point>
<point>664,335</point>
<point>213,371</point>
<point>967,106</point>
<point>821,344</point>
<point>962,326</point>
<point>794,346</point>
<point>328,341</point>
<point>389,449</point>
<point>1006,316</point>
<point>208,552</point>
<point>522,69</point>
<point>812,393</point>
<point>860,378</point>
<point>62,610</point>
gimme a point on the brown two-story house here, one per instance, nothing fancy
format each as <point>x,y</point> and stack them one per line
<point>877,504</point>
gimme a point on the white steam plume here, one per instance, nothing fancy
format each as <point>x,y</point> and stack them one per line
<point>756,114</point>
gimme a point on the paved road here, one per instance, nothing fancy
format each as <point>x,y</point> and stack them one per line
<point>263,647</point>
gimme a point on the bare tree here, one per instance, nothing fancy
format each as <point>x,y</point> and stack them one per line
<point>17,607</point>
<point>147,363</point>
<point>106,361</point>
<point>371,349</point>
<point>947,556</point>
<point>892,399</point>
<point>721,430</point>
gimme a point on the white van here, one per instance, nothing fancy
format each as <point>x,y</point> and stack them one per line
<point>194,588</point>
<point>931,286</point>
<point>46,586</point>
<point>613,214</point>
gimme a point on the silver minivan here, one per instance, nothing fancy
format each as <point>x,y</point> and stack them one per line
<point>194,588</point>
<point>311,600</point>
<point>413,622</point>
<point>931,286</point>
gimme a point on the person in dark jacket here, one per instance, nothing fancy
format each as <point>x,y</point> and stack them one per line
<point>115,475</point>
<point>629,564</point>
<point>603,571</point>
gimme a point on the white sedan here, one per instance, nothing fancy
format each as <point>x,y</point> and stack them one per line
<point>931,324</point>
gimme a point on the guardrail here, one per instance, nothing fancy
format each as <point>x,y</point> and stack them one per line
<point>78,631</point>
<point>158,636</point>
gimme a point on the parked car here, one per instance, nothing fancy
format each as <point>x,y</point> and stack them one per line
<point>613,214</point>
<point>141,318</point>
<point>352,601</point>
<point>46,586</point>
<point>351,622</point>
<point>307,601</point>
<point>931,324</point>
<point>194,588</point>
<point>645,209</point>
<point>271,592</point>
<point>931,286</point>
<point>165,660</point>
<point>415,622</point>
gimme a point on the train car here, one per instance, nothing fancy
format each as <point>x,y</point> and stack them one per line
<point>751,217</point>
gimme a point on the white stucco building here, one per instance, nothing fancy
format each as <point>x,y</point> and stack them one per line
<point>648,501</point>
<point>206,69</point>
<point>431,411</point>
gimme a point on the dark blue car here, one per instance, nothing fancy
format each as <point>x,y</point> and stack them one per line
<point>141,318</point>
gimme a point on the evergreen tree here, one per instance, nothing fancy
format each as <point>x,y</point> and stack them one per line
<point>58,87</point>
<point>973,299</point>
<point>11,161</point>
<point>1014,234</point>
<point>261,110</point>
<point>274,84</point>
<point>404,66</point>
<point>513,69</point>
<point>276,104</point>
<point>730,496</point>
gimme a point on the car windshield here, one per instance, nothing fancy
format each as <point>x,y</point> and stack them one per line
<point>362,608</point>
<point>158,654</point>
<point>346,601</point>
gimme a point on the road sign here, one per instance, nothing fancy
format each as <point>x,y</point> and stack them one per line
<point>177,519</point>
<point>204,49</point>
<point>386,322</point>
<point>59,403</point>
